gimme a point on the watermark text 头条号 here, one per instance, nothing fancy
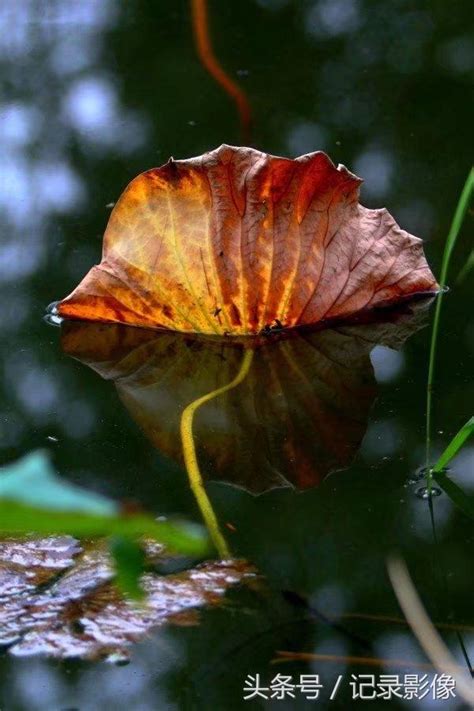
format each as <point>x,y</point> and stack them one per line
<point>364,687</point>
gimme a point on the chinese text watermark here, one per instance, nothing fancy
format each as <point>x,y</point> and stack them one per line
<point>364,687</point>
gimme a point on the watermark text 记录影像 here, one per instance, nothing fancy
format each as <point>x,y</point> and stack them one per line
<point>364,687</point>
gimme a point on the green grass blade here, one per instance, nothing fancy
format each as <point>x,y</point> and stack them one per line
<point>454,446</point>
<point>33,498</point>
<point>177,536</point>
<point>469,266</point>
<point>455,493</point>
<point>457,221</point>
<point>129,563</point>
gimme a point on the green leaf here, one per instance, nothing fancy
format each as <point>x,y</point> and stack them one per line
<point>467,268</point>
<point>454,446</point>
<point>32,481</point>
<point>33,499</point>
<point>129,560</point>
<point>455,493</point>
<point>178,536</point>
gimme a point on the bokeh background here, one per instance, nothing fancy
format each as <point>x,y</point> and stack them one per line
<point>95,92</point>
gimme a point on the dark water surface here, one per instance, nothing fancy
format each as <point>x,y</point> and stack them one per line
<point>96,92</point>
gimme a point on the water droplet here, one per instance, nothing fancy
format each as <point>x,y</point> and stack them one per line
<point>52,308</point>
<point>52,317</point>
<point>417,475</point>
<point>53,320</point>
<point>120,659</point>
<point>424,493</point>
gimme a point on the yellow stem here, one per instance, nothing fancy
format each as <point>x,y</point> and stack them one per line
<point>191,462</point>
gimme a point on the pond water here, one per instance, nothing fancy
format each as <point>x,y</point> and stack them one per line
<point>97,92</point>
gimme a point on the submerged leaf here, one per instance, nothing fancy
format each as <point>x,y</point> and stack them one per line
<point>60,600</point>
<point>236,240</point>
<point>300,413</point>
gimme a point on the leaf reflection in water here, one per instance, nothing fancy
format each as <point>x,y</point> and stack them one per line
<point>300,413</point>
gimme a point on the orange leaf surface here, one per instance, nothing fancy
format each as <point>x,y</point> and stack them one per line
<point>234,240</point>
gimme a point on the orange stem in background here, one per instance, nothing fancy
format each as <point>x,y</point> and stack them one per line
<point>211,63</point>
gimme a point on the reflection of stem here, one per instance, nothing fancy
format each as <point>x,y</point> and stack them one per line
<point>211,63</point>
<point>190,457</point>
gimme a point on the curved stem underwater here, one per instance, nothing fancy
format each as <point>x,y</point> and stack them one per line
<point>190,457</point>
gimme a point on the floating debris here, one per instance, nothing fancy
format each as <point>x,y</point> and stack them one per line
<point>57,598</point>
<point>52,317</point>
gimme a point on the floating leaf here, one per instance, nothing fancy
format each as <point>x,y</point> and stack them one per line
<point>58,598</point>
<point>300,413</point>
<point>236,240</point>
<point>25,563</point>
